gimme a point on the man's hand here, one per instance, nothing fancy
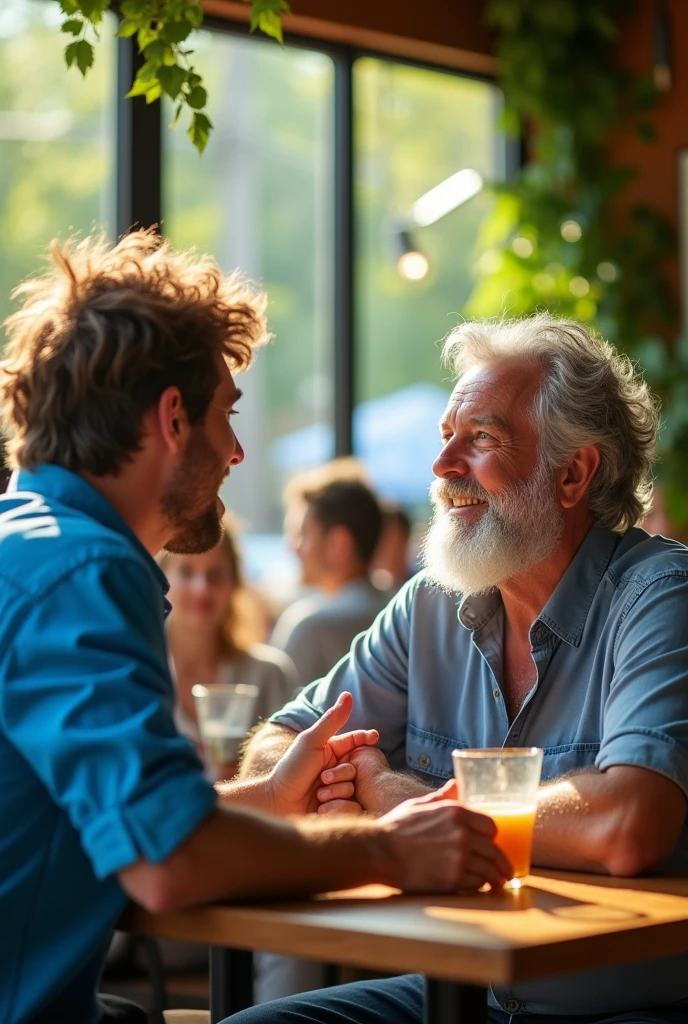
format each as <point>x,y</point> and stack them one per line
<point>441,846</point>
<point>294,780</point>
<point>377,787</point>
<point>368,765</point>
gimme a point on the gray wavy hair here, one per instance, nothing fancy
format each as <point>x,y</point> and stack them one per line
<point>590,395</point>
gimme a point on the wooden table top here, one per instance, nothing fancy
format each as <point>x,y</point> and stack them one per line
<point>559,922</point>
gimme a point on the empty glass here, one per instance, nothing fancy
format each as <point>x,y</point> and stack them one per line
<point>225,714</point>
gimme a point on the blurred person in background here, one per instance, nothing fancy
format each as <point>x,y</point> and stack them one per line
<point>333,524</point>
<point>214,633</point>
<point>392,563</point>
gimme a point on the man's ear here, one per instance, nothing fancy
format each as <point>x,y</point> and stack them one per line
<point>575,478</point>
<point>171,420</point>
<point>341,545</point>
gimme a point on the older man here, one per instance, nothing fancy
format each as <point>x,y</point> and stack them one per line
<point>544,617</point>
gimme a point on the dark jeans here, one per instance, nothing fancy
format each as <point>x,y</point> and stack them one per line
<point>400,1001</point>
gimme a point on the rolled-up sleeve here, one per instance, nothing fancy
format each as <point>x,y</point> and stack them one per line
<point>87,701</point>
<point>375,672</point>
<point>645,717</point>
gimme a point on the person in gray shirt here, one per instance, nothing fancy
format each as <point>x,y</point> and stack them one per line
<point>545,617</point>
<point>333,523</point>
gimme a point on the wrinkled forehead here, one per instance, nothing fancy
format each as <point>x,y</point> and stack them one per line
<point>503,391</point>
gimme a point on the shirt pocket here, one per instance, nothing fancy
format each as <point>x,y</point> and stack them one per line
<point>567,758</point>
<point>429,754</point>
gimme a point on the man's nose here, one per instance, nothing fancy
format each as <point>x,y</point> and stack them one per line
<point>450,463</point>
<point>238,455</point>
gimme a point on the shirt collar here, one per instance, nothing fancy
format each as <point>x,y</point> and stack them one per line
<point>567,608</point>
<point>73,491</point>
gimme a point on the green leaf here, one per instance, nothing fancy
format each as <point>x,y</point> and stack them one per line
<point>197,98</point>
<point>81,54</point>
<point>194,15</point>
<point>146,36</point>
<point>266,16</point>
<point>127,28</point>
<point>154,93</point>
<point>157,51</point>
<point>176,31</point>
<point>199,131</point>
<point>177,115</point>
<point>73,26</point>
<point>172,79</point>
<point>146,79</point>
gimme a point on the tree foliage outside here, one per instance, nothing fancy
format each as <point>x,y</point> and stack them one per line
<point>57,141</point>
<point>555,240</point>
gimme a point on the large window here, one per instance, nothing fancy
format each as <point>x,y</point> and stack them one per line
<point>263,197</point>
<point>260,199</point>
<point>57,139</point>
<point>424,143</point>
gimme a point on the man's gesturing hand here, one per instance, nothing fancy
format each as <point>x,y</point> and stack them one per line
<point>441,846</point>
<point>296,776</point>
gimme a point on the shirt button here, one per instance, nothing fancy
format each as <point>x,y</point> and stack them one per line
<point>496,694</point>
<point>425,760</point>
<point>512,1005</point>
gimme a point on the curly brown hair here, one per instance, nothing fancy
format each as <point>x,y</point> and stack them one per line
<point>103,333</point>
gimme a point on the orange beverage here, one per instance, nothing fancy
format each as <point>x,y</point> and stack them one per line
<point>515,824</point>
<point>503,783</point>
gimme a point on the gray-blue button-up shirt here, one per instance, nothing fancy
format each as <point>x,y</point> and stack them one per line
<point>611,652</point>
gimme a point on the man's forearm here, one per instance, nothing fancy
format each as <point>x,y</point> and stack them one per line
<point>387,790</point>
<point>235,854</point>
<point>622,821</point>
<point>264,750</point>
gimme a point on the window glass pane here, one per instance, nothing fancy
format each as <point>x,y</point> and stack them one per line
<point>57,138</point>
<point>260,199</point>
<point>415,129</point>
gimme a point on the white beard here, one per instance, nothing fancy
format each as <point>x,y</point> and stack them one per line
<point>520,529</point>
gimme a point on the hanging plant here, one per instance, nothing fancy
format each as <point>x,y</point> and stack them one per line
<point>161,28</point>
<point>552,240</point>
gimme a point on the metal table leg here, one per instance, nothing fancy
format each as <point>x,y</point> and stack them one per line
<point>447,1002</point>
<point>231,982</point>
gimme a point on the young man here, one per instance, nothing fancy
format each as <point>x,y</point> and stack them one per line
<point>117,395</point>
<point>333,524</point>
<point>544,618</point>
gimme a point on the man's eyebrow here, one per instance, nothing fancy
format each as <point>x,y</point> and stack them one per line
<point>491,420</point>
<point>484,420</point>
<point>235,396</point>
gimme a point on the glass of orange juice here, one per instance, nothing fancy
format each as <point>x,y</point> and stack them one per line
<point>503,783</point>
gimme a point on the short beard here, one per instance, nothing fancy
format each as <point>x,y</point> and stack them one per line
<point>186,503</point>
<point>519,530</point>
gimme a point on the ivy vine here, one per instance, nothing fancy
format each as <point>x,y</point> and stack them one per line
<point>162,28</point>
<point>555,239</point>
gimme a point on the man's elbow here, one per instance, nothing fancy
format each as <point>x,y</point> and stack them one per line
<point>155,887</point>
<point>634,848</point>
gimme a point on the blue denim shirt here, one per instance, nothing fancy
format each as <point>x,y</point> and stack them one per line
<point>94,774</point>
<point>611,652</point>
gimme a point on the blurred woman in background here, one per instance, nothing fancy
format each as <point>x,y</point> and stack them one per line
<point>214,633</point>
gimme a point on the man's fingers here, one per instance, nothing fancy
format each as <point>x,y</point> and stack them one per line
<point>345,743</point>
<point>446,792</point>
<point>339,791</point>
<point>344,772</point>
<point>340,807</point>
<point>334,718</point>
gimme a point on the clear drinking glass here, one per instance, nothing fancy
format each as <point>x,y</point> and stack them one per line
<point>503,783</point>
<point>225,714</point>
